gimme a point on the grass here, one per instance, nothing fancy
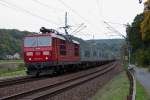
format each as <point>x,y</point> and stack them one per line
<point>125,66</point>
<point>13,73</point>
<point>10,61</point>
<point>19,71</point>
<point>140,92</point>
<point>116,89</point>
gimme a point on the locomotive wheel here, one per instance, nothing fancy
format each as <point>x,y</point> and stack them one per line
<point>37,74</point>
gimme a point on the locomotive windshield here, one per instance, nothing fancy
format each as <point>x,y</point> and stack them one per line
<point>37,41</point>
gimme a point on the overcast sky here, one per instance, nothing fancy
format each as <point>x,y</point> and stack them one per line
<point>32,14</point>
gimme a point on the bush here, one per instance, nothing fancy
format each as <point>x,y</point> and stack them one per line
<point>143,57</point>
<point>21,66</point>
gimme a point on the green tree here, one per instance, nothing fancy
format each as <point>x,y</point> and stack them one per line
<point>134,34</point>
<point>145,25</point>
<point>139,43</point>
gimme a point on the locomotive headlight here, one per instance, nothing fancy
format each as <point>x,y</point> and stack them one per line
<point>29,58</point>
<point>46,53</point>
<point>46,58</point>
<point>29,53</point>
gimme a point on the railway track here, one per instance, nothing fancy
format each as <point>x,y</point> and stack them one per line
<point>54,89</point>
<point>18,80</point>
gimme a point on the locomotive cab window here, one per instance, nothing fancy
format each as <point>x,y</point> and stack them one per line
<point>30,42</point>
<point>37,41</point>
<point>44,41</point>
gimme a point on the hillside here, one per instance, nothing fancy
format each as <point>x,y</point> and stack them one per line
<point>113,45</point>
<point>11,41</point>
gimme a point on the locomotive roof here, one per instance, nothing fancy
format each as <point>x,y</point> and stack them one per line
<point>59,36</point>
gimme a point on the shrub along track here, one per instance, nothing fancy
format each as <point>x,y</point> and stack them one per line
<point>58,87</point>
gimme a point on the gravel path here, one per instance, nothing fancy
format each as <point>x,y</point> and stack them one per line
<point>143,76</point>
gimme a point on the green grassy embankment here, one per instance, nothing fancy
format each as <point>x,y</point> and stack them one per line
<point>116,89</point>
<point>10,61</point>
<point>140,92</point>
<point>19,71</point>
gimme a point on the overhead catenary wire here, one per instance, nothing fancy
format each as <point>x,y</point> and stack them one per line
<point>18,8</point>
<point>100,12</point>
<point>3,4</point>
<point>47,6</point>
<point>50,7</point>
<point>80,30</point>
<point>117,23</point>
<point>74,11</point>
<point>114,30</point>
<point>77,28</point>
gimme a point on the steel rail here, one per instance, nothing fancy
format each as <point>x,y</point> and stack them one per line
<point>18,80</point>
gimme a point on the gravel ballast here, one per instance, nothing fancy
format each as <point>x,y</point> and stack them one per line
<point>79,93</point>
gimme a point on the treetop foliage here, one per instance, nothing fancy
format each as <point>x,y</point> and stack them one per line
<point>138,34</point>
<point>145,25</point>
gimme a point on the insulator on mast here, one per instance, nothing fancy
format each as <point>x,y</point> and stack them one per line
<point>140,1</point>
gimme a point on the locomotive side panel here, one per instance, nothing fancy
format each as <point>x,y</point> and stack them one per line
<point>66,52</point>
<point>54,49</point>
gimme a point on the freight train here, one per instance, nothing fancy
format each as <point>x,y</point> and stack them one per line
<point>51,52</point>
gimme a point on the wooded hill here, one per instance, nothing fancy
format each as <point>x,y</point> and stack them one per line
<point>11,41</point>
<point>113,45</point>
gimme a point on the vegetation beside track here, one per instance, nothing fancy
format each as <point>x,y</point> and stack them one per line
<point>10,61</point>
<point>18,71</point>
<point>138,33</point>
<point>116,89</point>
<point>140,92</point>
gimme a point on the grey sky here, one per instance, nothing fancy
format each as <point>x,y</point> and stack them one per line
<point>32,14</point>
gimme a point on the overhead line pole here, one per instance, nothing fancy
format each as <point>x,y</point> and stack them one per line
<point>126,38</point>
<point>75,12</point>
<point>66,25</point>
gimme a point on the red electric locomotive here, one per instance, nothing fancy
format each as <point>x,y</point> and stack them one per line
<point>49,52</point>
